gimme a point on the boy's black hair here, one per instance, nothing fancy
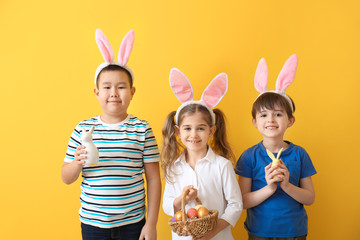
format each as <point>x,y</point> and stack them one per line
<point>269,100</point>
<point>114,67</point>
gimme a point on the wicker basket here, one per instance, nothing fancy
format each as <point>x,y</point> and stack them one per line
<point>196,226</point>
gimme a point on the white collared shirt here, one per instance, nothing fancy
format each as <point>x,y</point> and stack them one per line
<point>217,186</point>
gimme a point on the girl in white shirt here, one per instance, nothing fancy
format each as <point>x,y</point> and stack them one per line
<point>202,169</point>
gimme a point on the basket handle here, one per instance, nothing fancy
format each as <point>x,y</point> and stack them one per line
<point>183,204</point>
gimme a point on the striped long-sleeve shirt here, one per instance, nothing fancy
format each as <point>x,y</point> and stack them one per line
<point>112,192</point>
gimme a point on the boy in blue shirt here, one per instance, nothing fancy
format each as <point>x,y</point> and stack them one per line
<point>112,192</point>
<point>274,196</point>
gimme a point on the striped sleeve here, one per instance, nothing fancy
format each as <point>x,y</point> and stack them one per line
<point>74,142</point>
<point>151,150</point>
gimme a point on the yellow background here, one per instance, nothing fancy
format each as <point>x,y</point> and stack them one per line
<point>48,57</point>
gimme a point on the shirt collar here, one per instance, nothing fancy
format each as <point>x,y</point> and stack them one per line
<point>285,152</point>
<point>114,124</point>
<point>210,156</point>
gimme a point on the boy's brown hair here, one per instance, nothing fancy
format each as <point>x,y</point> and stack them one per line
<point>269,100</point>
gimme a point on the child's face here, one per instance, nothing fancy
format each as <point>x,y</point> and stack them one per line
<point>272,124</point>
<point>114,93</point>
<point>194,132</point>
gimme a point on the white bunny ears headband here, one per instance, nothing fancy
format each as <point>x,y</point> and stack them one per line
<point>285,78</point>
<point>108,53</point>
<point>211,96</point>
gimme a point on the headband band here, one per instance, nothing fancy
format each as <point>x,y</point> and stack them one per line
<point>105,64</point>
<point>108,53</point>
<point>285,78</point>
<point>198,103</point>
<point>211,96</point>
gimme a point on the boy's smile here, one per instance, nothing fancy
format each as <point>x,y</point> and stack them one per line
<point>114,101</point>
<point>271,126</point>
<point>114,95</point>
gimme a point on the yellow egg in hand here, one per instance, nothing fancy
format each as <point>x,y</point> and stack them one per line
<point>198,206</point>
<point>178,216</point>
<point>202,212</point>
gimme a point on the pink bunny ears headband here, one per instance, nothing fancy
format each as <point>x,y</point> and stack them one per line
<point>211,96</point>
<point>108,53</point>
<point>285,78</point>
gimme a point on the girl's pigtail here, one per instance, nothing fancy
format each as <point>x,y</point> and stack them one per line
<point>220,143</point>
<point>170,150</point>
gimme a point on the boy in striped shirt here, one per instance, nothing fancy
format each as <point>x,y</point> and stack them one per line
<point>112,192</point>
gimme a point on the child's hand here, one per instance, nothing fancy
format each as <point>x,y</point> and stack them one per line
<point>192,193</point>
<point>190,196</point>
<point>148,232</point>
<point>80,155</point>
<point>203,237</point>
<point>284,177</point>
<point>70,171</point>
<point>270,173</point>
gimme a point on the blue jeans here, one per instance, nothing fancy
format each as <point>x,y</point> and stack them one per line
<point>127,232</point>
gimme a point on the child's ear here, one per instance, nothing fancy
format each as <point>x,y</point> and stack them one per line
<point>291,121</point>
<point>177,130</point>
<point>96,91</point>
<point>254,122</point>
<point>212,130</point>
<point>133,90</point>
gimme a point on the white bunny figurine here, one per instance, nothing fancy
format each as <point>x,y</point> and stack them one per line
<point>92,155</point>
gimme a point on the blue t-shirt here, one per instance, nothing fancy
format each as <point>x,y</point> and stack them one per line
<point>280,215</point>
